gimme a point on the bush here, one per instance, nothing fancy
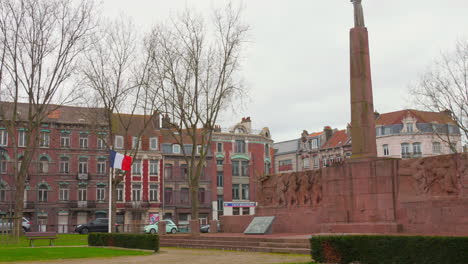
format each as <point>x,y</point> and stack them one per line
<point>140,241</point>
<point>380,249</point>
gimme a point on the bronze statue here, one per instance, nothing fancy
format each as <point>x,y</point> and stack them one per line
<point>358,14</point>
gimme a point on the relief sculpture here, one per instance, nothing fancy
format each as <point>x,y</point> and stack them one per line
<point>439,175</point>
<point>291,189</point>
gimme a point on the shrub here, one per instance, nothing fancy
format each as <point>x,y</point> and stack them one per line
<point>140,241</point>
<point>380,249</point>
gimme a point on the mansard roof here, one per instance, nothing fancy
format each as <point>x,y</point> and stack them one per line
<point>393,118</point>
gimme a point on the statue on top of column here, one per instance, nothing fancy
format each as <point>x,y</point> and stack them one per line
<point>358,14</point>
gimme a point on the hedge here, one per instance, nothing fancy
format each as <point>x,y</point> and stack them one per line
<point>140,241</point>
<point>380,249</point>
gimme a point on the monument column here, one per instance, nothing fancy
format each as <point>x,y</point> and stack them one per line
<point>363,142</point>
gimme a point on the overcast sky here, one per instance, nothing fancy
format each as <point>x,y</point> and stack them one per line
<point>297,62</point>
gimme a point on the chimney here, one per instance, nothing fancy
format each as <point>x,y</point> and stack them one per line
<point>166,121</point>
<point>328,133</point>
<point>217,128</point>
<point>155,119</point>
<point>348,130</point>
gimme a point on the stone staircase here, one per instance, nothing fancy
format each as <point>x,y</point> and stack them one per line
<point>256,244</point>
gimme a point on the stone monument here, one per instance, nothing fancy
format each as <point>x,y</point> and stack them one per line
<point>362,107</point>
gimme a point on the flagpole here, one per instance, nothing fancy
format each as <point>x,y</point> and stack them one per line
<point>111,175</point>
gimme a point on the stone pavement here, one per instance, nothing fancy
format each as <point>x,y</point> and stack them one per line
<point>194,256</point>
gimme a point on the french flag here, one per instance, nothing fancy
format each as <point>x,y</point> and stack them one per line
<point>120,161</point>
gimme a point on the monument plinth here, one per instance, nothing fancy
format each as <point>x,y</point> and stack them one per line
<point>363,142</point>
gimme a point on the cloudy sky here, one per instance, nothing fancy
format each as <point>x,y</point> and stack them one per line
<point>297,62</point>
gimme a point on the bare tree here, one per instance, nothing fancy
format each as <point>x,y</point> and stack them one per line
<point>117,74</point>
<point>40,43</point>
<point>196,72</point>
<point>445,87</point>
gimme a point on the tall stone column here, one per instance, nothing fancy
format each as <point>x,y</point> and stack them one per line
<point>362,105</point>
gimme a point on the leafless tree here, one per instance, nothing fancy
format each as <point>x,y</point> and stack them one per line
<point>445,87</point>
<point>40,45</point>
<point>197,73</point>
<point>116,72</point>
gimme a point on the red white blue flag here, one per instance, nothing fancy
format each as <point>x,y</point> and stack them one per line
<point>120,161</point>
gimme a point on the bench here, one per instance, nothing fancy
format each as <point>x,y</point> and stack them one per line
<point>41,235</point>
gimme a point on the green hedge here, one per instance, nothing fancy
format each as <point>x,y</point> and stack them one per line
<point>140,241</point>
<point>380,249</point>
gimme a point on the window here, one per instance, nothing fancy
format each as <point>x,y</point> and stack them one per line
<point>136,142</point>
<point>417,149</point>
<point>153,167</point>
<point>409,127</point>
<point>83,140</point>
<point>236,211</point>
<point>44,140</point>
<point>82,194</point>
<point>245,210</point>
<point>63,192</point>
<point>199,149</point>
<point>184,195</point>
<point>176,148</point>
<point>101,166</point>
<point>119,142</point>
<point>244,168</point>
<point>219,162</point>
<point>240,146</point>
<point>21,138</point>
<point>386,151</point>
<point>3,164</point>
<point>387,131</point>
<point>201,195</point>
<point>168,195</point>
<point>267,168</point>
<point>64,165</point>
<point>183,171</point>
<point>83,165</point>
<point>267,150</point>
<point>239,130</point>
<point>219,147</point>
<point>136,192</point>
<point>453,147</point>
<point>100,193</point>
<point>219,179</point>
<point>316,162</point>
<point>235,168</point>
<point>305,163</point>
<point>285,165</point>
<point>235,192</point>
<point>43,165</point>
<point>153,192</point>
<point>153,143</point>
<point>436,147</point>
<point>65,140</point>
<point>220,203</point>
<point>2,193</point>
<point>100,143</point>
<point>3,137</point>
<point>324,161</point>
<point>136,167</point>
<point>314,143</point>
<point>245,191</point>
<point>405,150</point>
<point>42,193</point>
<point>168,171</point>
<point>120,192</point>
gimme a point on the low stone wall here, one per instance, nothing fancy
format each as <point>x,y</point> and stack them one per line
<point>415,196</point>
<point>235,223</point>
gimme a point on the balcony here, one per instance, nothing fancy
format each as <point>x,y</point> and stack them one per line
<point>83,176</point>
<point>82,204</point>
<point>29,205</point>
<point>137,205</point>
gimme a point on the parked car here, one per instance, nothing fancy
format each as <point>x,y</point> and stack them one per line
<point>97,225</point>
<point>5,224</point>
<point>170,227</point>
<point>206,228</point>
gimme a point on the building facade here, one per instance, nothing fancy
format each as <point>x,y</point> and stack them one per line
<point>242,156</point>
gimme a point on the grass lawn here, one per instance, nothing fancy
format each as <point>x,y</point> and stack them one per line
<point>62,240</point>
<point>30,254</point>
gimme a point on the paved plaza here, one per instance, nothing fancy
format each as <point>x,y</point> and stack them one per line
<point>194,256</point>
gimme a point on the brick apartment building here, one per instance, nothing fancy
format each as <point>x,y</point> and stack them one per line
<point>242,156</point>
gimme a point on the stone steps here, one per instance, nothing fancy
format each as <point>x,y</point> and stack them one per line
<point>292,246</point>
